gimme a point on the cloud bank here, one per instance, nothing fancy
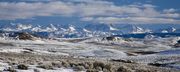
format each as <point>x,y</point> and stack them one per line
<point>91,11</point>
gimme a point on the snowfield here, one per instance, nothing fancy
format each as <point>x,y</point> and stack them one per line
<point>143,51</point>
<point>32,68</point>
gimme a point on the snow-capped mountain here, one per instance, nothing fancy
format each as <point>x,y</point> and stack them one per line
<point>169,30</point>
<point>112,28</point>
<point>164,31</point>
<point>137,30</point>
<point>173,29</point>
<point>23,26</point>
<point>39,28</point>
<point>71,29</point>
<point>89,30</point>
<point>36,29</point>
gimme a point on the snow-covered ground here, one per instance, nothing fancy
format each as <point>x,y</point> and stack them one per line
<point>33,68</point>
<point>98,48</point>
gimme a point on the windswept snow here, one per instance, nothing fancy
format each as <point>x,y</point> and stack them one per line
<point>85,30</point>
<point>71,28</point>
<point>8,29</point>
<point>164,31</point>
<point>173,29</point>
<point>161,48</point>
<point>112,28</point>
<point>137,30</point>
<point>109,53</point>
<point>33,68</point>
<point>23,26</point>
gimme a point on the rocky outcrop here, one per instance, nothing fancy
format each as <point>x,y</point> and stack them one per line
<point>123,61</point>
<point>111,38</point>
<point>135,53</point>
<point>156,64</point>
<point>25,36</point>
<point>177,44</point>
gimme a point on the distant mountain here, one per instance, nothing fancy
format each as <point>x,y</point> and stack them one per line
<point>137,30</point>
<point>88,30</point>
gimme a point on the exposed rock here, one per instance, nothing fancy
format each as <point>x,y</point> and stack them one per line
<point>135,53</point>
<point>124,61</point>
<point>26,52</point>
<point>6,44</point>
<point>65,64</point>
<point>26,36</point>
<point>92,70</point>
<point>131,54</point>
<point>111,38</point>
<point>124,69</point>
<point>36,70</point>
<point>10,69</point>
<point>98,64</point>
<point>28,49</point>
<point>156,64</point>
<point>79,68</point>
<point>145,52</point>
<point>57,64</point>
<point>46,66</point>
<point>178,41</point>
<point>22,66</point>
<point>177,45</point>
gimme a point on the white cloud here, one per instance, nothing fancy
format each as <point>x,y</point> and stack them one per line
<point>89,10</point>
<point>22,10</point>
<point>171,15</point>
<point>87,19</point>
<point>135,20</point>
<point>169,10</point>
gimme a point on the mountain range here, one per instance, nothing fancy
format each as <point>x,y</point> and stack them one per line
<point>88,30</point>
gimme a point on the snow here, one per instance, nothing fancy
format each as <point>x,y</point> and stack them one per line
<point>46,52</point>
<point>44,70</point>
<point>19,27</point>
<point>173,29</point>
<point>72,31</point>
<point>85,30</point>
<point>112,28</point>
<point>3,65</point>
<point>23,26</point>
<point>95,47</point>
<point>137,30</point>
<point>164,31</point>
<point>31,68</point>
<point>176,51</point>
<point>51,28</point>
<point>12,50</point>
<point>8,29</point>
<point>71,28</point>
<point>58,70</point>
<point>92,46</point>
<point>36,29</point>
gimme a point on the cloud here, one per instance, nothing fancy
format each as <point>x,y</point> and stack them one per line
<point>87,19</point>
<point>134,20</point>
<point>23,10</point>
<point>99,11</point>
<point>169,10</point>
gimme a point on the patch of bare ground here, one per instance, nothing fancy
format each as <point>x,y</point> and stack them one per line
<point>78,64</point>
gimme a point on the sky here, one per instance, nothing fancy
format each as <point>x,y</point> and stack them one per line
<point>90,11</point>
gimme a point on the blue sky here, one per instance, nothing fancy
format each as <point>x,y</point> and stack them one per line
<point>90,11</point>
